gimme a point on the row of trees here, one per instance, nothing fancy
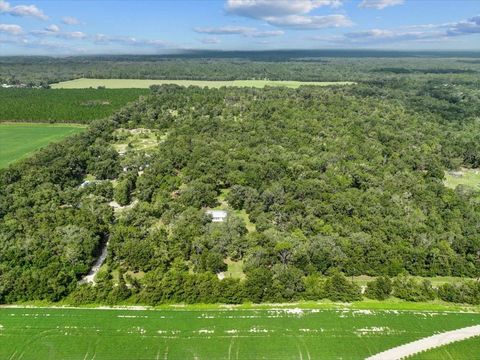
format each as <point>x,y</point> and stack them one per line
<point>263,285</point>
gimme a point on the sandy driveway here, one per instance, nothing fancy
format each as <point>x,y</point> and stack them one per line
<point>427,343</point>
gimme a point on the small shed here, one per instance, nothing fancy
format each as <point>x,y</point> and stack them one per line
<point>217,215</point>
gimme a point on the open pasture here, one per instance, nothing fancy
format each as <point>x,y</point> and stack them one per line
<point>48,105</point>
<point>142,83</point>
<point>18,141</point>
<point>280,333</point>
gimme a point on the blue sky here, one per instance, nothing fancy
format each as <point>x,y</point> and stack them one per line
<point>77,27</point>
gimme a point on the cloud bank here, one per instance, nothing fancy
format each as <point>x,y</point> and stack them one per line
<point>292,14</point>
<point>22,10</point>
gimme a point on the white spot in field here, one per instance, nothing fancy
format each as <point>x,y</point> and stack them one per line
<point>363,312</point>
<point>374,330</point>
<point>205,331</point>
<point>206,316</point>
<point>295,311</point>
<point>258,330</point>
<point>311,330</point>
<point>132,316</point>
<point>231,331</point>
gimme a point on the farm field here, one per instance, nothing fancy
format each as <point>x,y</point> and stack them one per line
<point>47,105</point>
<point>141,83</point>
<point>18,141</point>
<point>467,349</point>
<point>283,333</point>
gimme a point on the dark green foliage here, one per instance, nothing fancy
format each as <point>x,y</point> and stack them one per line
<point>63,105</point>
<point>346,180</point>
<point>338,288</point>
<point>410,289</point>
<point>379,289</point>
<point>122,193</point>
<point>466,292</point>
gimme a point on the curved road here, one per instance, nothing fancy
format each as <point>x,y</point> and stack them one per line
<point>431,342</point>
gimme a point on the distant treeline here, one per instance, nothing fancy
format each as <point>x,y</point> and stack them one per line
<point>425,71</point>
<point>325,65</point>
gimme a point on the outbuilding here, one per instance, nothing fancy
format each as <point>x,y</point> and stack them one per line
<point>217,215</point>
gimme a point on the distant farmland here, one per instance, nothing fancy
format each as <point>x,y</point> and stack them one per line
<point>283,333</point>
<point>17,141</point>
<point>140,83</point>
<point>48,105</point>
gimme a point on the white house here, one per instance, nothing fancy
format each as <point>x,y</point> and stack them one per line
<point>217,215</point>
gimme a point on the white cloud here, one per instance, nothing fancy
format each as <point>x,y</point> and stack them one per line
<point>22,10</point>
<point>128,40</point>
<point>466,27</point>
<point>259,9</point>
<point>379,4</point>
<point>311,22</point>
<point>73,35</point>
<point>264,34</point>
<point>11,29</point>
<point>289,13</point>
<point>225,30</point>
<point>4,6</point>
<point>210,40</point>
<point>239,30</point>
<point>422,33</point>
<point>382,35</point>
<point>54,31</point>
<point>52,28</point>
<point>70,20</point>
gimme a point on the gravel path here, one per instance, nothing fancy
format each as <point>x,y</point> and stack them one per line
<point>90,277</point>
<point>431,342</point>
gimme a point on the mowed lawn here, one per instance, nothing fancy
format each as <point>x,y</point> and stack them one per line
<point>142,83</point>
<point>48,333</point>
<point>467,349</point>
<point>18,141</point>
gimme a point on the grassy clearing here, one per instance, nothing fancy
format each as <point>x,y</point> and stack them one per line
<point>467,177</point>
<point>223,205</point>
<point>18,141</point>
<point>141,83</point>
<point>47,105</point>
<point>436,280</point>
<point>280,333</point>
<point>234,269</point>
<point>467,349</point>
<point>135,140</point>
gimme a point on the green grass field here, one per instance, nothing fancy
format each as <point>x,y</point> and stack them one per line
<point>48,105</point>
<point>467,349</point>
<point>467,177</point>
<point>283,333</point>
<point>141,83</point>
<point>17,141</point>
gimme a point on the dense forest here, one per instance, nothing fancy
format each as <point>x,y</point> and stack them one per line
<point>273,65</point>
<point>317,183</point>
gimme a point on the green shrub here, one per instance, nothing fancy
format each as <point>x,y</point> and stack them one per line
<point>379,289</point>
